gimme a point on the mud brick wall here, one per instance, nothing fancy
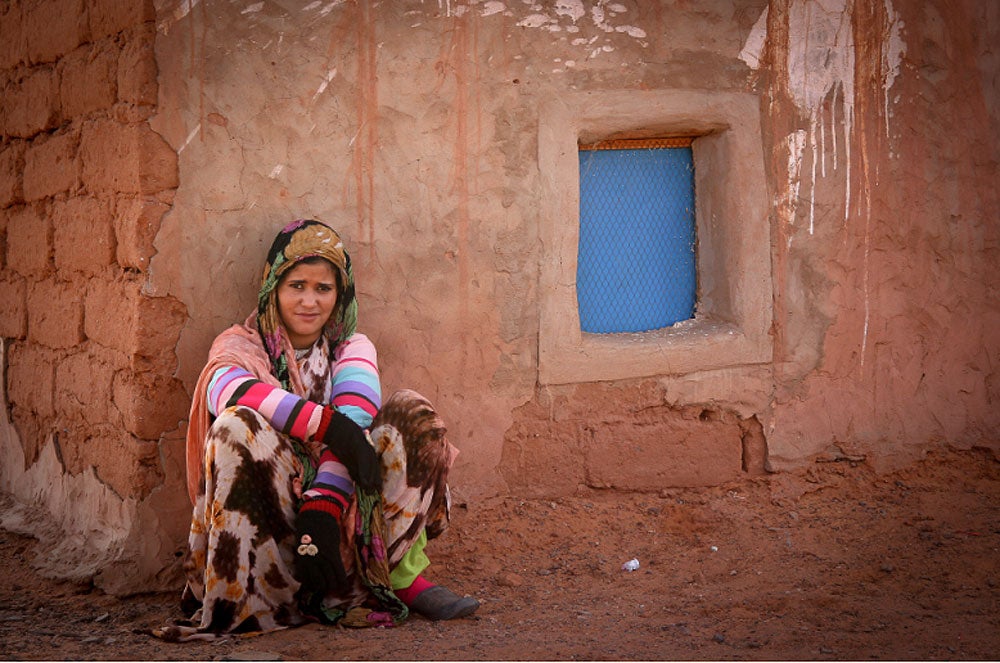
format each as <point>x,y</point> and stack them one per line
<point>84,182</point>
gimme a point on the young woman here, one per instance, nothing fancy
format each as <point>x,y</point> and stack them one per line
<point>312,499</point>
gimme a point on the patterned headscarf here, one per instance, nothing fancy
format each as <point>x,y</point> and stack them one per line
<point>297,241</point>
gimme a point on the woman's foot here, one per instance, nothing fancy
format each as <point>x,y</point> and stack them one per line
<point>438,603</point>
<point>435,602</point>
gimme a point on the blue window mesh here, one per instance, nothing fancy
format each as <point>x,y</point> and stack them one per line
<point>636,260</point>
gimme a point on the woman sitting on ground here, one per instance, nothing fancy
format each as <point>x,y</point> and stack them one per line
<point>299,513</point>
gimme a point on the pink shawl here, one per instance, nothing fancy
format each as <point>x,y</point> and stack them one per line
<point>240,345</point>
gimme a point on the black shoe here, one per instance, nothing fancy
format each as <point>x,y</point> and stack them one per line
<point>438,603</point>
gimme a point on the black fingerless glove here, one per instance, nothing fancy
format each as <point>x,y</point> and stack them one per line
<point>348,443</point>
<point>318,565</point>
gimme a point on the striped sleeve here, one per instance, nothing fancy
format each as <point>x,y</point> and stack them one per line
<point>357,392</point>
<point>232,385</point>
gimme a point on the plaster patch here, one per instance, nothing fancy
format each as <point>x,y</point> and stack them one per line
<point>572,8</point>
<point>492,7</point>
<point>533,21</point>
<point>255,7</point>
<point>892,56</point>
<point>182,9</point>
<point>632,31</point>
<point>754,45</point>
<point>326,81</point>
<point>190,137</point>
<point>796,144</point>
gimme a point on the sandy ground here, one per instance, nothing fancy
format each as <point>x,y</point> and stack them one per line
<point>837,562</point>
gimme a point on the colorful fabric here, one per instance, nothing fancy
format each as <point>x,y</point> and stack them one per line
<point>232,385</point>
<point>240,345</point>
<point>410,566</point>
<point>331,485</point>
<point>351,385</point>
<point>296,242</point>
<point>355,388</point>
<point>417,586</point>
<point>239,349</point>
<point>410,436</point>
<point>239,565</point>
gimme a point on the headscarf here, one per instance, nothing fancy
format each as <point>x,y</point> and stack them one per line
<point>297,241</point>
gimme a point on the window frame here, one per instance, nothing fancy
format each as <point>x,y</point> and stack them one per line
<point>630,144</point>
<point>733,257</point>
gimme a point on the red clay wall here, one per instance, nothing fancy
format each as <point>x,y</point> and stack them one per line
<point>84,181</point>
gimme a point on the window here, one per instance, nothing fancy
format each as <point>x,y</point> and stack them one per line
<point>732,265</point>
<point>636,259</point>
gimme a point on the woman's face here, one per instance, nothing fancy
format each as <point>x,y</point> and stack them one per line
<point>307,295</point>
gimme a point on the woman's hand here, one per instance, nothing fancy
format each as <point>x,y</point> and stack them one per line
<point>317,552</point>
<point>349,443</point>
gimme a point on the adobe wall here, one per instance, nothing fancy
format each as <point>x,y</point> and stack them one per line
<point>88,355</point>
<point>414,128</point>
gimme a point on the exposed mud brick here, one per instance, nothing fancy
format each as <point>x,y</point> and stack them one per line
<point>83,387</point>
<point>138,475</point>
<point>4,222</point>
<point>119,316</point>
<point>83,236</point>
<point>30,378</point>
<point>109,17</point>
<point>29,242</point>
<point>109,312</point>
<point>13,307</point>
<point>679,451</point>
<point>137,221</point>
<point>137,68</point>
<point>543,459</point>
<point>55,313</point>
<point>149,404</point>
<point>50,165</point>
<point>126,159</point>
<point>584,400</point>
<point>53,28</point>
<point>128,466</point>
<point>158,325</point>
<point>12,51</point>
<point>11,166</point>
<point>88,80</point>
<point>31,105</point>
<point>32,429</point>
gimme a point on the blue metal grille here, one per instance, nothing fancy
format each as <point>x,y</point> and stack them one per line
<point>636,260</point>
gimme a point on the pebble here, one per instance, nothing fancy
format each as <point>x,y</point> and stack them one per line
<point>510,580</point>
<point>718,637</point>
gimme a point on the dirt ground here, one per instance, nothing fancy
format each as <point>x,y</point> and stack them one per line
<point>838,562</point>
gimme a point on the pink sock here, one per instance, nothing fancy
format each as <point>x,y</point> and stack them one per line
<point>408,594</point>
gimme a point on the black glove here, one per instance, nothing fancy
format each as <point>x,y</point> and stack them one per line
<point>317,550</point>
<point>348,443</point>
